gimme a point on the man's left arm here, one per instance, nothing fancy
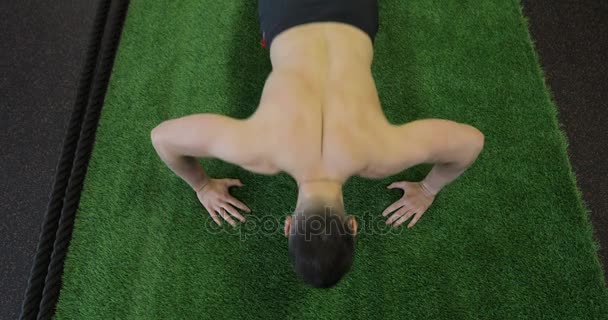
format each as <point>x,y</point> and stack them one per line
<point>451,155</point>
<point>451,146</point>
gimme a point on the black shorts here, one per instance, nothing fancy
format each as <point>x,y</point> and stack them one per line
<point>277,16</point>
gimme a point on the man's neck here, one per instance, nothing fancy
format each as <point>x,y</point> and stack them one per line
<point>325,190</point>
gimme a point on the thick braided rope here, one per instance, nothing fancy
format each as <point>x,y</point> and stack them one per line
<point>85,145</point>
<point>52,286</point>
<point>33,294</point>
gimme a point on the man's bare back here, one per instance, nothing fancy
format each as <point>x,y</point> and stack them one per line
<point>319,113</point>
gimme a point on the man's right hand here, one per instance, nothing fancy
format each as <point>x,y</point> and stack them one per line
<point>216,198</point>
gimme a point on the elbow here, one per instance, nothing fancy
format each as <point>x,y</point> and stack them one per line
<point>157,136</point>
<point>476,138</point>
<point>480,139</point>
<point>477,143</point>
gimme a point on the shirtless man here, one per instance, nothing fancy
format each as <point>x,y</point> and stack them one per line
<point>319,120</point>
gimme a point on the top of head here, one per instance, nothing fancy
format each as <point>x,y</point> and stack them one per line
<point>321,244</point>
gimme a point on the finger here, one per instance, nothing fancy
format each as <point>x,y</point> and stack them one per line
<point>235,202</point>
<point>396,205</point>
<point>234,213</point>
<point>234,183</point>
<point>227,217</point>
<point>397,215</point>
<point>214,216</point>
<point>416,218</point>
<point>404,218</point>
<point>398,184</point>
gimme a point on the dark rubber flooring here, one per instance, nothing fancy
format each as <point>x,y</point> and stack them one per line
<point>42,51</point>
<point>572,41</point>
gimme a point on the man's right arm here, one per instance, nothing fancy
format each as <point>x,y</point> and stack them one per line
<point>451,146</point>
<point>180,141</point>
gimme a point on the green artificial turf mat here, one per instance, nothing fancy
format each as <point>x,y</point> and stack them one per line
<point>509,239</point>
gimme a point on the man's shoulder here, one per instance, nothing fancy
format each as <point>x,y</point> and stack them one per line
<point>390,152</point>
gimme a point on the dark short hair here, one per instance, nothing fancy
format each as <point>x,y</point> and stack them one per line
<point>321,247</point>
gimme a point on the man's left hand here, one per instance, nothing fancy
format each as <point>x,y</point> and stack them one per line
<point>415,201</point>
